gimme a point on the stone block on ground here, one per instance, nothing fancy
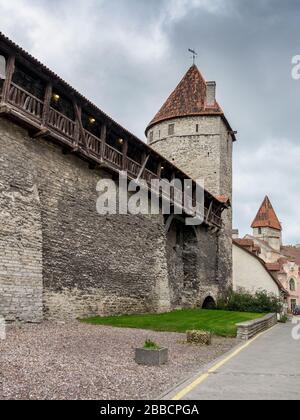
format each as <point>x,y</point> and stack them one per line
<point>150,357</point>
<point>201,338</point>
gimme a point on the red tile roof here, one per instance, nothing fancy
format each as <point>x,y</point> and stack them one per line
<point>266,217</point>
<point>249,245</point>
<point>256,249</point>
<point>244,242</point>
<point>273,266</point>
<point>292,252</point>
<point>277,266</point>
<point>188,99</point>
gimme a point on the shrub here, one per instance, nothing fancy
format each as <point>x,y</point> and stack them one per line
<point>243,301</point>
<point>283,319</point>
<point>151,345</point>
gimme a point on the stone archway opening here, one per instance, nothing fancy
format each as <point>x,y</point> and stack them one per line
<point>209,303</point>
<point>182,255</point>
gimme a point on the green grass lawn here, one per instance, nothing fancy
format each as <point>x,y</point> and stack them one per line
<point>221,323</point>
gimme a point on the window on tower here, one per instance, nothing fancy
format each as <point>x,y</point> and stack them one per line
<point>171,129</point>
<point>151,136</point>
<point>197,128</point>
<point>292,285</point>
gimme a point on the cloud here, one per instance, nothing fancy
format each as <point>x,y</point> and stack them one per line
<point>53,29</point>
<point>177,9</point>
<point>272,169</point>
<point>103,48</point>
<point>128,55</point>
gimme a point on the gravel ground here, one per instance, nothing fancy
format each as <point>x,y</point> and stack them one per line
<point>78,361</point>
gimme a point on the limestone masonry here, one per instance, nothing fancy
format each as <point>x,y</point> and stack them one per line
<point>58,257</point>
<point>200,143</point>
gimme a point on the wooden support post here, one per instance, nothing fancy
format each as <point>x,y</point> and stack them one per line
<point>10,68</point>
<point>159,170</point>
<point>124,153</point>
<point>103,140</point>
<point>209,212</point>
<point>47,102</point>
<point>42,133</point>
<point>78,116</point>
<point>78,113</point>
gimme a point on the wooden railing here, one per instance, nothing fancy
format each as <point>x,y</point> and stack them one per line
<point>25,101</point>
<point>75,135</point>
<point>93,143</point>
<point>61,123</point>
<point>149,176</point>
<point>132,167</point>
<point>113,156</point>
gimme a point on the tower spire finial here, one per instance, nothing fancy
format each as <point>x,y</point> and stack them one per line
<point>194,55</point>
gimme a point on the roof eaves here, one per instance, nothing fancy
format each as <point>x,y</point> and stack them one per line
<point>52,74</point>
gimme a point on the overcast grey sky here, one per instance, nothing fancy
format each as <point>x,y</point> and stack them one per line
<point>128,55</point>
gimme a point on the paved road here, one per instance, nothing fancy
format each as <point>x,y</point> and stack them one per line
<point>268,369</point>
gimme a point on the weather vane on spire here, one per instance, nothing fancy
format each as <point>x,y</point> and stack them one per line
<point>194,55</point>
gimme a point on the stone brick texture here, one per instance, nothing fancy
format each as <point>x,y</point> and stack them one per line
<point>59,259</point>
<point>250,329</point>
<point>202,147</point>
<point>192,263</point>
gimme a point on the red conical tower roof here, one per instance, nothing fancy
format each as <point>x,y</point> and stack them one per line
<point>266,217</point>
<point>188,99</point>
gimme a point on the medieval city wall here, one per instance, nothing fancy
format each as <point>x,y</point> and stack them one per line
<point>21,244</point>
<point>52,240</point>
<point>59,259</point>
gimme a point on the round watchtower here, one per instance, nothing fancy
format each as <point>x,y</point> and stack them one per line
<point>192,131</point>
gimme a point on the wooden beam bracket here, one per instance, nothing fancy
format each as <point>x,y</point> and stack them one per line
<point>42,133</point>
<point>4,109</point>
<point>142,170</point>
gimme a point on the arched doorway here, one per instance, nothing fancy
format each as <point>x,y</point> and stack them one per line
<point>209,303</point>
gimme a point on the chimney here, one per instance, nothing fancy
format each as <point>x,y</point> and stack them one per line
<point>210,93</point>
<point>235,234</point>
